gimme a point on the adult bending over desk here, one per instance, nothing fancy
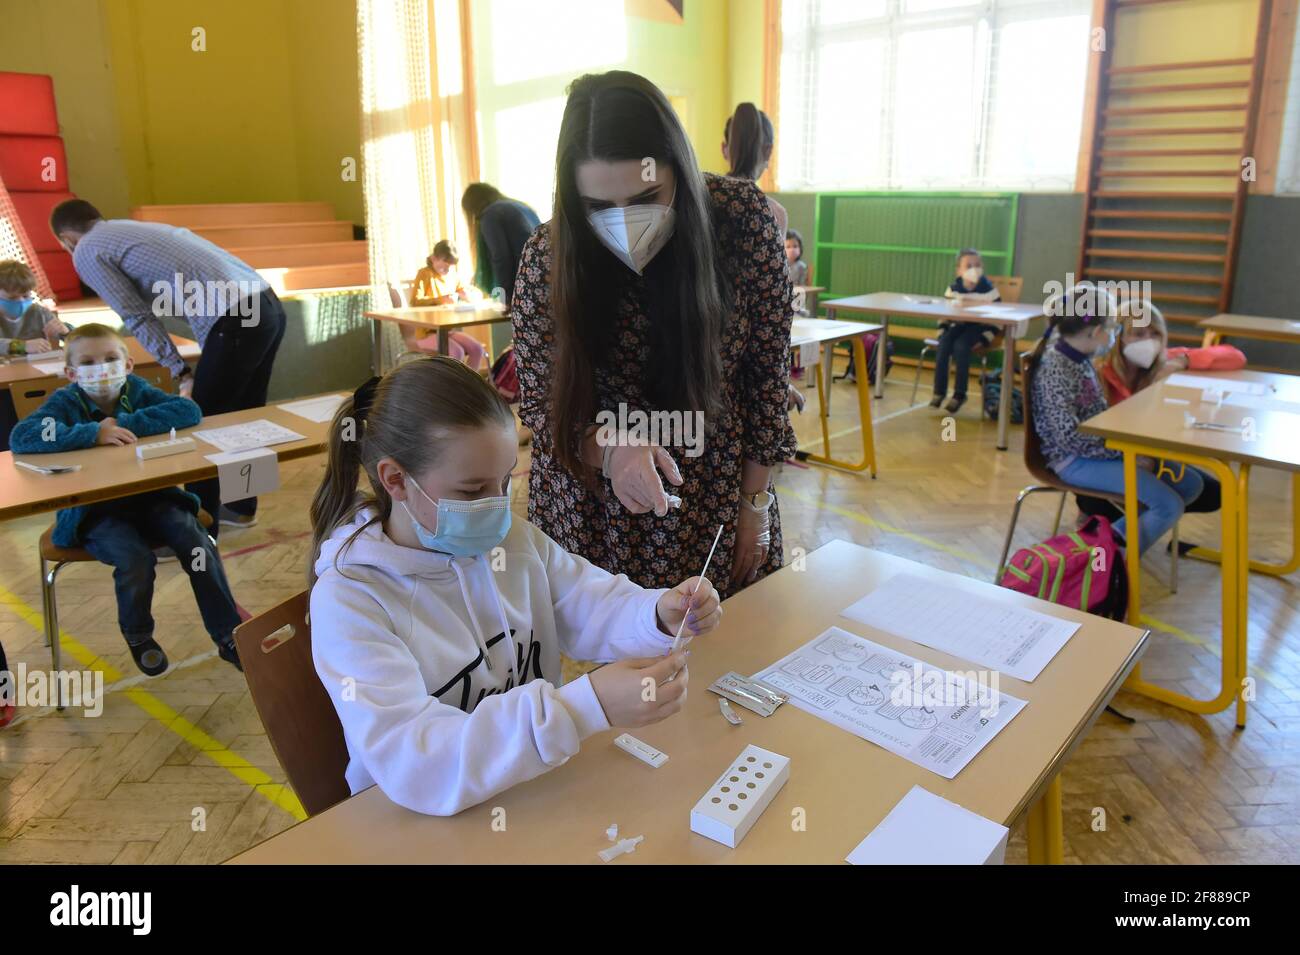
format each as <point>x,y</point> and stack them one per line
<point>148,270</point>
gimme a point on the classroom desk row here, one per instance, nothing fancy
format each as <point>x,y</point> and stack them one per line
<point>1264,431</point>
<point>24,372</point>
<point>843,784</point>
<point>109,471</point>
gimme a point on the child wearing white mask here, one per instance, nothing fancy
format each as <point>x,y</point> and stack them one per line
<point>1140,357</point>
<point>438,620</point>
<point>957,340</point>
<point>107,405</point>
<point>1066,391</point>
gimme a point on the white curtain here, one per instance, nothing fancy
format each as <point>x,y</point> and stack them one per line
<point>418,137</point>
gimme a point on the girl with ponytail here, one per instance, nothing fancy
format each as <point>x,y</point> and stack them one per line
<point>1067,392</point>
<point>438,620</point>
<point>747,141</point>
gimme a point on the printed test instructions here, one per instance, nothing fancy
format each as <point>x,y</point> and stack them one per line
<point>934,718</point>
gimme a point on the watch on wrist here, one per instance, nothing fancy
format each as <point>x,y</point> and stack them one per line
<point>759,501</point>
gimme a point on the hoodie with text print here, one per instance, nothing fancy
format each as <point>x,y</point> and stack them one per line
<point>445,672</point>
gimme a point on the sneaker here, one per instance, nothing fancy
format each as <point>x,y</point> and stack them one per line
<point>936,401</point>
<point>953,406</point>
<point>229,518</point>
<point>227,650</point>
<point>148,656</point>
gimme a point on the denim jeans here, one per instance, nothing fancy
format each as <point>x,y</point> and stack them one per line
<point>957,341</point>
<point>1163,498</point>
<point>123,534</point>
<point>234,373</point>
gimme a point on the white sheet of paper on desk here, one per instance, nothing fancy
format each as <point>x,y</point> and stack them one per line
<point>993,633</point>
<point>803,329</point>
<point>925,829</point>
<point>251,434</point>
<point>48,367</point>
<point>990,309</point>
<point>319,409</point>
<point>937,719</point>
<point>1210,383</point>
<point>1260,403</point>
<point>191,350</point>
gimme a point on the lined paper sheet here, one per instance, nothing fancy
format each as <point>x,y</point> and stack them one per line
<point>925,829</point>
<point>937,719</point>
<point>251,434</point>
<point>993,633</point>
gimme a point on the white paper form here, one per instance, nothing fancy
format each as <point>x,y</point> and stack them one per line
<point>804,329</point>
<point>925,829</point>
<point>251,434</point>
<point>992,633</point>
<point>931,717</point>
<point>319,409</point>
<point>1225,385</point>
<point>48,367</point>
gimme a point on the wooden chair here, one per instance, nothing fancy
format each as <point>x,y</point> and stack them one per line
<point>300,721</point>
<point>1009,288</point>
<point>28,394</point>
<point>1047,480</point>
<point>53,559</point>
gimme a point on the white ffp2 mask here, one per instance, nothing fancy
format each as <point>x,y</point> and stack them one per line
<point>1143,353</point>
<point>635,234</point>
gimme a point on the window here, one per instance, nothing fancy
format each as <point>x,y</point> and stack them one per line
<point>932,94</point>
<point>1288,157</point>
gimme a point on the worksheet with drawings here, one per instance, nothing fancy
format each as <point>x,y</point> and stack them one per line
<point>251,434</point>
<point>932,717</point>
<point>994,633</point>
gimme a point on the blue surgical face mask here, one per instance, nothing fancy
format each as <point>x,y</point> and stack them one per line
<point>16,307</point>
<point>465,528</point>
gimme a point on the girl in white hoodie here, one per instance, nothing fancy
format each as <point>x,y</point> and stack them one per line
<point>438,621</point>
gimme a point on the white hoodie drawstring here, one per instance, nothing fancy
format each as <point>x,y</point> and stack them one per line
<point>473,617</point>
<point>478,629</point>
<point>505,623</point>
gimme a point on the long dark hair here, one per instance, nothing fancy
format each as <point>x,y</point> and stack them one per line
<point>749,136</point>
<point>610,117</point>
<point>403,415</point>
<point>476,198</point>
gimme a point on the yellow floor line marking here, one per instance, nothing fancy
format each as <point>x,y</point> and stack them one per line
<point>278,793</point>
<point>981,561</point>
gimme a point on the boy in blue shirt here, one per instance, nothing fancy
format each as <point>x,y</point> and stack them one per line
<point>106,404</point>
<point>958,339</point>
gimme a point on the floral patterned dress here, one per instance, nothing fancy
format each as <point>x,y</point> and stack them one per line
<point>663,551</point>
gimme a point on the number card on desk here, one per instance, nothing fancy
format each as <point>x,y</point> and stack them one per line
<point>245,474</point>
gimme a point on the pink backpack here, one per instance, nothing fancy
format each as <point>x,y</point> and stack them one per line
<point>1083,569</point>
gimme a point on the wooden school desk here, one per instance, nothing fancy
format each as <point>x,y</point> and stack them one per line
<point>811,332</point>
<point>445,319</point>
<point>1011,319</point>
<point>844,784</point>
<point>1152,423</point>
<point>21,370</point>
<point>109,471</point>
<point>1227,325</point>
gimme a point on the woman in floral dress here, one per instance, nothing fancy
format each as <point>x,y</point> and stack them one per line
<point>654,288</point>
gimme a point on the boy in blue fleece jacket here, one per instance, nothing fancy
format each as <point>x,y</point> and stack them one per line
<point>106,404</point>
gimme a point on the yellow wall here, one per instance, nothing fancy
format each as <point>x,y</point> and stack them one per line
<point>266,113</point>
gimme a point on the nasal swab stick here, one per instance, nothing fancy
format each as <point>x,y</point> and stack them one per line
<point>677,640</point>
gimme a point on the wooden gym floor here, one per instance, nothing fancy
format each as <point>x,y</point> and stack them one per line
<point>177,769</point>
